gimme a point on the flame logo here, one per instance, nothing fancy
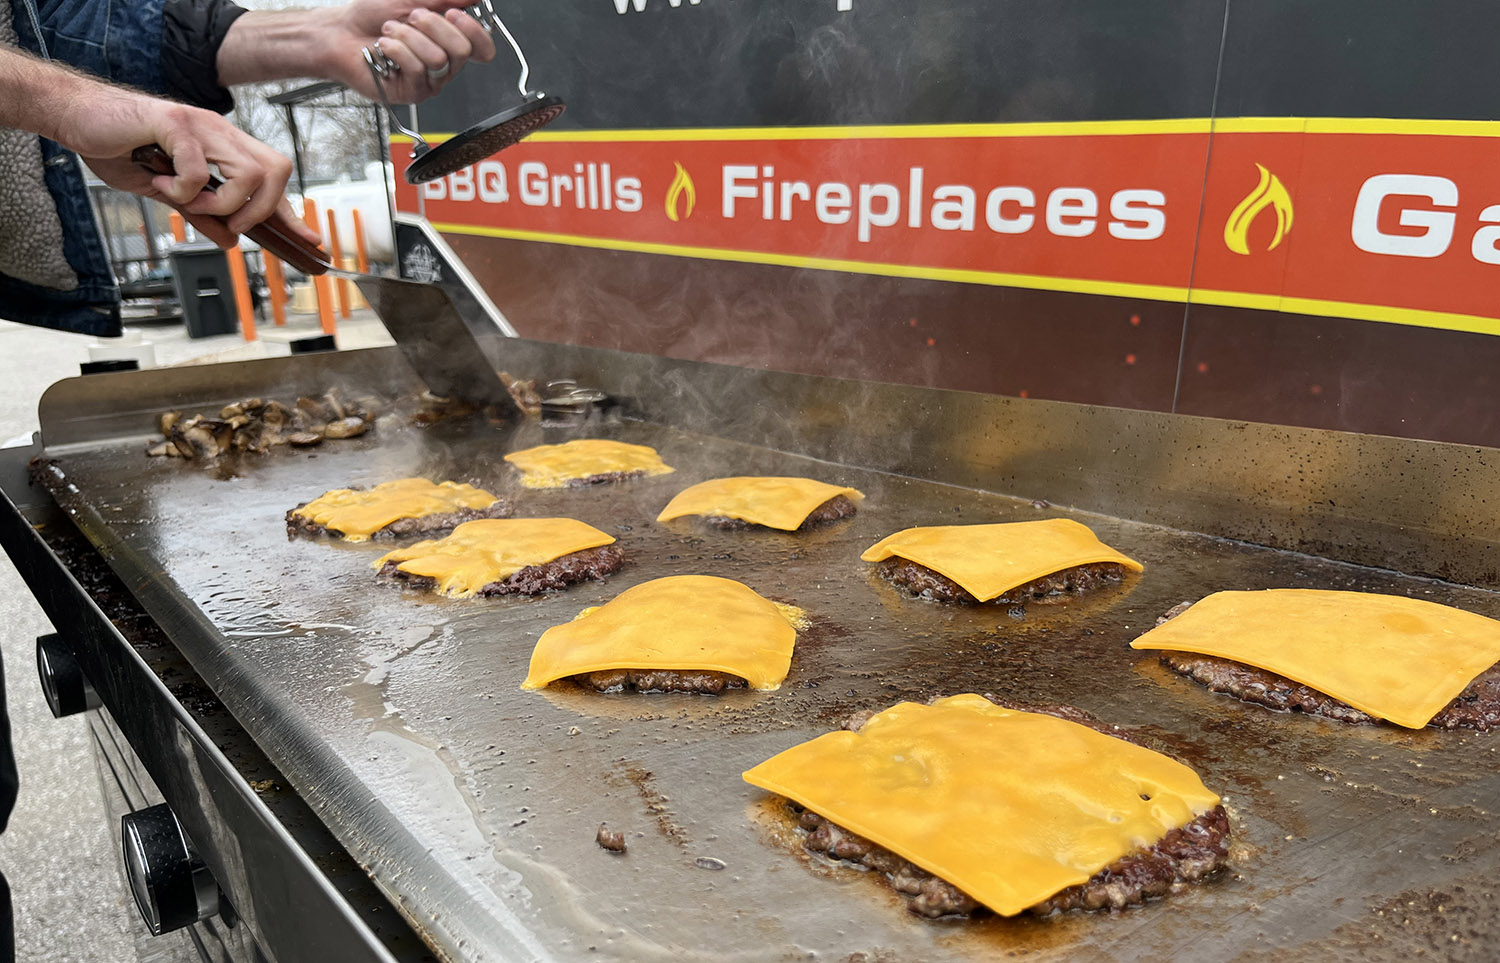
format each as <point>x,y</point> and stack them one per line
<point>682,187</point>
<point>1270,192</point>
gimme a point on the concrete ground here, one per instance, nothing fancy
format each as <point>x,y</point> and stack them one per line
<point>70,901</point>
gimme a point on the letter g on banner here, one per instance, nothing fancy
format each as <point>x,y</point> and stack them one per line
<point>1437,226</point>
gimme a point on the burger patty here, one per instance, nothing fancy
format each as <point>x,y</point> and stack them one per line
<point>658,680</point>
<point>1476,707</point>
<point>604,478</point>
<point>1185,854</point>
<point>401,527</point>
<point>924,582</point>
<point>591,563</point>
<point>839,506</point>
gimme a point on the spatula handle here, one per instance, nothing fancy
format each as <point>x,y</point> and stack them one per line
<point>275,234</point>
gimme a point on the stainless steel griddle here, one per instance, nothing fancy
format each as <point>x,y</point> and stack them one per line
<point>473,805</point>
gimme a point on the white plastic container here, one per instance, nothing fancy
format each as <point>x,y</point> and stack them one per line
<point>129,346</point>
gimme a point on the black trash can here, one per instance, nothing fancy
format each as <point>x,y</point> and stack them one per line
<point>200,274</point>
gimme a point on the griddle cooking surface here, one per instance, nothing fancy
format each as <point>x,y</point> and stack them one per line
<point>474,804</point>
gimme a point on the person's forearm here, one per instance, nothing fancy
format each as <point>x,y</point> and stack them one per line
<point>276,45</point>
<point>37,96</point>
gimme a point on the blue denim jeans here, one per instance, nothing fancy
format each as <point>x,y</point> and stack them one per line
<point>118,40</point>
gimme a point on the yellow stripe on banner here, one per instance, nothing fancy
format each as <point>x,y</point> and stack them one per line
<point>1357,125</point>
<point>1069,128</point>
<point>1386,314</point>
<point>1430,128</point>
<point>1081,128</point>
<point>1120,289</point>
<point>1153,292</point>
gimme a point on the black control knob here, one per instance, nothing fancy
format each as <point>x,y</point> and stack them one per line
<point>64,685</point>
<point>171,886</point>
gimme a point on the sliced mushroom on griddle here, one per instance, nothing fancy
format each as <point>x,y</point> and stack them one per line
<point>199,437</point>
<point>316,410</point>
<point>276,415</point>
<point>257,425</point>
<point>346,428</point>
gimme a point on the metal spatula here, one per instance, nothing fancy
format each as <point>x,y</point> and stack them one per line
<point>431,333</point>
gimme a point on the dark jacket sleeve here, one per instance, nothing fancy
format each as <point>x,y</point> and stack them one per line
<point>191,33</point>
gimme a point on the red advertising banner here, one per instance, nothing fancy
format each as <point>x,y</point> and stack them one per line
<point>1381,220</point>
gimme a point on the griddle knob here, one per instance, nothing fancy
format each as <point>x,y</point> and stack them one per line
<point>171,886</point>
<point>64,685</point>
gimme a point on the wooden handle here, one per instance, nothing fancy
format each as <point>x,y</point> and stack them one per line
<point>275,233</point>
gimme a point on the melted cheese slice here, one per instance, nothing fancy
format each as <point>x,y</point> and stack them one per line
<point>782,503</point>
<point>359,514</point>
<point>988,560</point>
<point>553,466</point>
<point>684,622</point>
<point>491,549</point>
<point>1010,807</point>
<point>1392,657</point>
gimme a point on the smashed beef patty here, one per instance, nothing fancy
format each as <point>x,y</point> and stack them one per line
<point>1183,855</point>
<point>930,584</point>
<point>1476,707</point>
<point>658,680</point>
<point>837,507</point>
<point>553,576</point>
<point>402,527</point>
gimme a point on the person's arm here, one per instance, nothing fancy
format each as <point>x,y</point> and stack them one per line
<point>431,40</point>
<point>104,124</point>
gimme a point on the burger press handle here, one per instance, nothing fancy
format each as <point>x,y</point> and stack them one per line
<point>171,885</point>
<point>64,686</point>
<point>487,137</point>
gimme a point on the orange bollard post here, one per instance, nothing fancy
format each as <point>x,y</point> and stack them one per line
<point>276,285</point>
<point>361,259</point>
<point>337,253</point>
<point>241,282</point>
<point>320,283</point>
<point>179,226</point>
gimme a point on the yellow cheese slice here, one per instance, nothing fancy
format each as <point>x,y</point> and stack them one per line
<point>782,503</point>
<point>988,560</point>
<point>1392,657</point>
<point>359,514</point>
<point>684,622</point>
<point>553,466</point>
<point>491,549</point>
<point>1010,807</point>
<point>798,617</point>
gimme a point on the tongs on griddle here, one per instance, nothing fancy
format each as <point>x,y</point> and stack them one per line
<point>432,335</point>
<point>275,234</point>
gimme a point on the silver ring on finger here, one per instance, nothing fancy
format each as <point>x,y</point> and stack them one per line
<point>440,73</point>
<point>382,62</point>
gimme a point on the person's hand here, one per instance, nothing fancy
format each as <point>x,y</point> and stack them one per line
<point>109,123</point>
<point>430,40</point>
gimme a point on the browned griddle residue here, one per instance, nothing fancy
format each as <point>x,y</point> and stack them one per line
<point>656,803</point>
<point>1447,923</point>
